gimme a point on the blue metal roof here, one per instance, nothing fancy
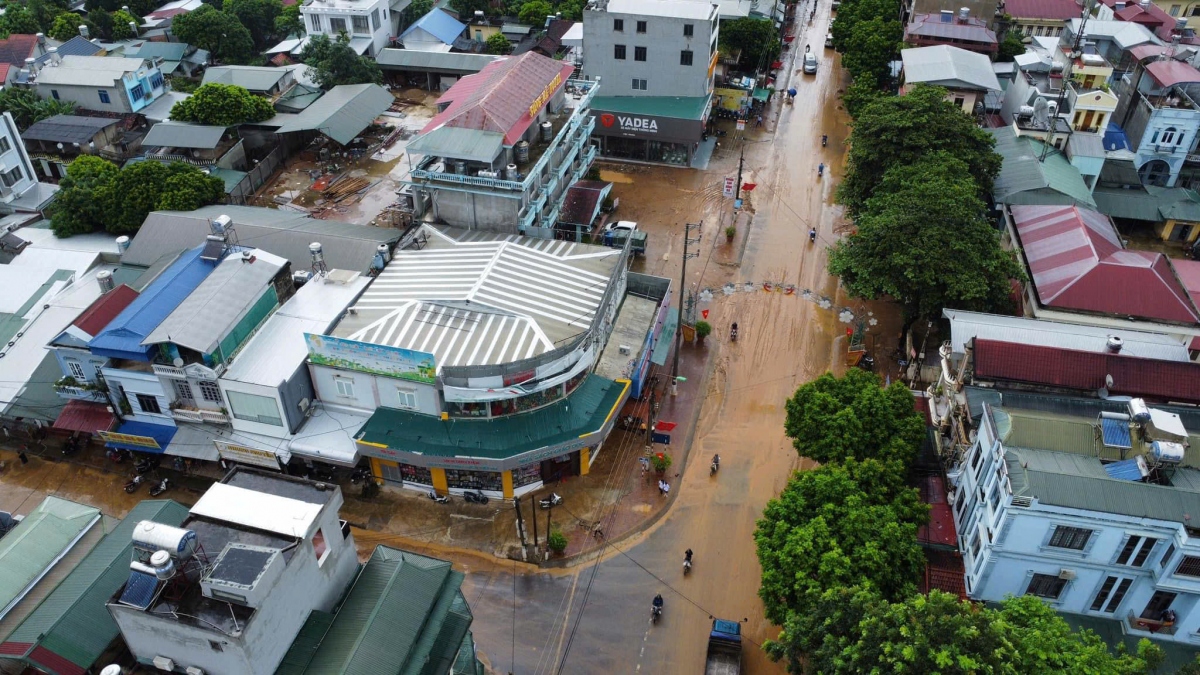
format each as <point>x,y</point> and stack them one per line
<point>123,336</point>
<point>78,46</point>
<point>161,433</point>
<point>1114,138</point>
<point>438,24</point>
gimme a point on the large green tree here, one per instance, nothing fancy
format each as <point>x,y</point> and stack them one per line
<point>334,63</point>
<point>222,34</point>
<point>863,91</point>
<point>899,130</point>
<point>66,26</point>
<point>26,107</point>
<point>1011,46</point>
<point>222,105</point>
<point>534,12</point>
<point>497,44</point>
<point>289,23</point>
<point>19,20</point>
<point>79,207</point>
<point>853,12</point>
<point>756,39</point>
<point>148,186</point>
<point>871,48</point>
<point>419,8</point>
<point>121,29</point>
<point>259,17</point>
<point>467,8</point>
<point>835,418</point>
<point>924,241</point>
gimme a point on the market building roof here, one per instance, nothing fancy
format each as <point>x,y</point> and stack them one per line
<point>1149,203</point>
<point>498,99</point>
<point>438,24</point>
<point>476,297</point>
<point>123,336</point>
<point>1025,178</point>
<point>1087,371</point>
<point>936,26</point>
<point>404,613</point>
<point>184,135</point>
<point>1077,261</point>
<point>950,67</point>
<point>342,113</point>
<point>67,129</point>
<point>37,543</point>
<point>1188,272</point>
<point>583,415</point>
<point>1169,72</point>
<point>226,296</point>
<point>1052,10</point>
<point>965,326</point>
<point>285,233</point>
<point>1124,33</point>
<point>71,628</point>
<point>434,62</point>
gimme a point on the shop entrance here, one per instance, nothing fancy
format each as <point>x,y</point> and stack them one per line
<point>558,468</point>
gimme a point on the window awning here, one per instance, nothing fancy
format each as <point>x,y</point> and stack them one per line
<point>140,437</point>
<point>85,416</point>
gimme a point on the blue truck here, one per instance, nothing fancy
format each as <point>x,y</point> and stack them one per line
<point>724,648</point>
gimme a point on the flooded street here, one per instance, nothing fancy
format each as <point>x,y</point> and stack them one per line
<point>785,339</point>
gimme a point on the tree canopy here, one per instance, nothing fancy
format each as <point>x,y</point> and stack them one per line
<point>259,17</point>
<point>497,44</point>
<point>756,39</point>
<point>18,19</point>
<point>290,23</point>
<point>923,239</point>
<point>334,63</point>
<point>27,107</point>
<point>898,130</point>
<point>1011,46</point>
<point>871,48</point>
<point>419,8</point>
<point>534,12</point>
<point>854,416</point>
<point>222,105</point>
<point>65,26</point>
<point>78,208</point>
<point>222,34</point>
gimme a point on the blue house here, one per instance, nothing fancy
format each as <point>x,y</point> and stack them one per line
<point>434,32</point>
<point>1159,114</point>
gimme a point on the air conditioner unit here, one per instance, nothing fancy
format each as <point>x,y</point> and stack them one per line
<point>164,663</point>
<point>1066,574</point>
<point>193,670</point>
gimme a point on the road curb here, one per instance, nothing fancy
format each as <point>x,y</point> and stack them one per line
<point>710,366</point>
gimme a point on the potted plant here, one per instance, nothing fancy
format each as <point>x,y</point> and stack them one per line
<point>557,541</point>
<point>661,461</point>
<point>730,233</point>
<point>703,328</point>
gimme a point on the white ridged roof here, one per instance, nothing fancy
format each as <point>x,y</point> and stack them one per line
<point>966,325</point>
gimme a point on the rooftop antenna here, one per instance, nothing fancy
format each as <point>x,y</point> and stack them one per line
<point>1062,91</point>
<point>319,269</point>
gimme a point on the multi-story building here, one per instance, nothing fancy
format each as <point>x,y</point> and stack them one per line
<point>506,374</point>
<point>368,23</point>
<point>1160,117</point>
<point>655,60</point>
<point>113,85</point>
<point>1037,18</point>
<point>1113,40</point>
<point>967,76</point>
<point>944,28</point>
<point>20,190</point>
<point>504,148</point>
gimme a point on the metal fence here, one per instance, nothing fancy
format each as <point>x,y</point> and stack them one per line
<point>255,178</point>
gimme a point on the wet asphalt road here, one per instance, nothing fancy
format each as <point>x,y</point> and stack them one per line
<point>785,340</point>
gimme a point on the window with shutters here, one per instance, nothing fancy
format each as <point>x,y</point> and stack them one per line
<point>688,30</point>
<point>1189,566</point>
<point>685,57</point>
<point>77,371</point>
<point>1162,564</point>
<point>1046,586</point>
<point>619,52</point>
<point>1075,538</point>
<point>639,53</point>
<point>1136,550</point>
<point>641,26</point>
<point>210,391</point>
<point>148,404</point>
<point>359,23</point>
<point>1102,595</point>
<point>1115,601</point>
<point>619,25</point>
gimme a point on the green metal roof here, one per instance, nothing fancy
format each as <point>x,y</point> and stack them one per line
<point>584,412</point>
<point>298,656</point>
<point>472,145</point>
<point>38,541</point>
<point>1026,179</point>
<point>1130,204</point>
<point>466,662</point>
<point>680,107</point>
<point>72,622</point>
<point>1176,203</point>
<point>400,617</point>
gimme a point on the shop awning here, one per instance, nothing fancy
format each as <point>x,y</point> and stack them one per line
<point>86,416</point>
<point>194,441</point>
<point>665,339</point>
<point>139,437</point>
<point>761,94</point>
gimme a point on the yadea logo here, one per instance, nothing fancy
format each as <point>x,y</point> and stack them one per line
<point>607,119</point>
<point>638,124</point>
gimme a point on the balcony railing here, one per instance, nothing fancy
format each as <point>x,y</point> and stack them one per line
<point>184,413</point>
<point>1150,625</point>
<point>169,371</point>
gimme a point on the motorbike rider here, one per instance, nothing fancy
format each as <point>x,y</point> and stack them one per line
<point>824,140</point>
<point>658,602</point>
<point>821,169</point>
<point>812,234</point>
<point>716,460</point>
<point>687,555</point>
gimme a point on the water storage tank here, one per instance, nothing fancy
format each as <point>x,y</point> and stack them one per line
<point>547,131</point>
<point>112,669</point>
<point>105,279</point>
<point>460,168</point>
<point>1167,452</point>
<point>522,152</point>
<point>180,543</point>
<point>164,567</point>
<point>382,250</point>
<point>1139,411</point>
<point>122,244</point>
<point>510,172</point>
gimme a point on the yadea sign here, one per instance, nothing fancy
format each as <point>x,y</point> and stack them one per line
<point>645,125</point>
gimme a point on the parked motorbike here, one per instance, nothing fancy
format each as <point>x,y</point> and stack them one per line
<point>146,465</point>
<point>71,445</point>
<point>359,476</point>
<point>439,498</point>
<point>161,487</point>
<point>655,613</point>
<point>687,567</point>
<point>475,497</point>
<point>116,456</point>
<point>133,485</point>
<point>552,500</point>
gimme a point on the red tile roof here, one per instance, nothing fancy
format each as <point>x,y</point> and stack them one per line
<point>582,201</point>
<point>1077,262</point>
<point>1171,72</point>
<point>105,309</point>
<point>498,97</point>
<point>84,416</point>
<point>16,48</point>
<point>1188,272</point>
<point>1059,10</point>
<point>1087,371</point>
<point>940,529</point>
<point>944,572</point>
<point>4,67</point>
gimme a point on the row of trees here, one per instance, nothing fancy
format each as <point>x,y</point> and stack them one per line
<point>105,20</point>
<point>841,563</point>
<point>868,34</point>
<point>529,12</point>
<point>97,196</point>
<point>755,40</point>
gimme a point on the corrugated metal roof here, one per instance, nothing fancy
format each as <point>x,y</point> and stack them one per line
<point>67,129</point>
<point>1170,72</point>
<point>88,70</point>
<point>1188,272</point>
<point>1134,204</point>
<point>305,644</point>
<point>584,412</point>
<point>1024,178</point>
<point>472,145</point>
<point>483,298</point>
<point>933,25</point>
<point>183,135</point>
<point>73,623</point>
<point>168,51</point>
<point>285,233</point>
<point>438,24</point>
<point>498,98</point>
<point>343,112</point>
<point>1176,203</point>
<point>967,325</point>
<point>1077,261</point>
<point>211,311</point>
<point>252,78</point>
<point>1085,145</point>
<point>415,59</point>
<point>388,609</point>
<point>1053,10</point>
<point>34,545</point>
<point>123,336</point>
<point>583,201</point>
<point>948,66</point>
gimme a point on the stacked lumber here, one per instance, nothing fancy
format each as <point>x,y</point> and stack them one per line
<point>345,187</point>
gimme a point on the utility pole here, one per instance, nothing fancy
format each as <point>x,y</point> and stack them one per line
<point>549,512</point>
<point>521,527</point>
<point>737,191</point>
<point>688,227</point>
<point>533,517</point>
<point>650,418</point>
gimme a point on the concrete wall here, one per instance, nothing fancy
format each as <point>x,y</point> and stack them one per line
<point>16,156</point>
<point>137,382</point>
<point>477,210</point>
<point>663,40</point>
<point>380,33</point>
<point>84,358</point>
<point>371,391</point>
<point>88,97</point>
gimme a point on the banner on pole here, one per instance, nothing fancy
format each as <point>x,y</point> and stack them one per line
<point>730,187</point>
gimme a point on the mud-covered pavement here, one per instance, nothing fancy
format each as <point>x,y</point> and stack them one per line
<point>595,615</point>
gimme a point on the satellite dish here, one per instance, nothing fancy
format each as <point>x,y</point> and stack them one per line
<point>1041,111</point>
<point>178,362</point>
